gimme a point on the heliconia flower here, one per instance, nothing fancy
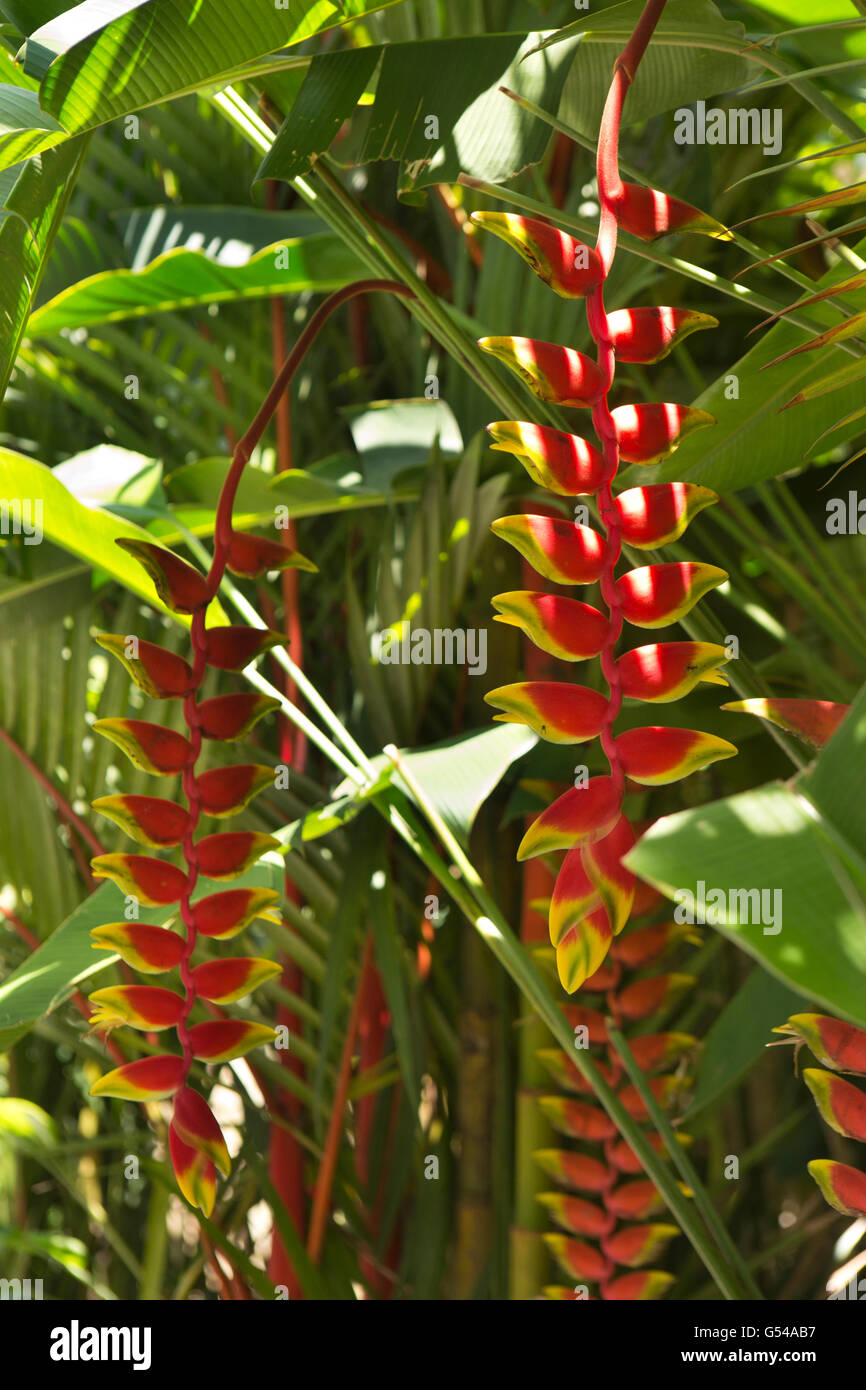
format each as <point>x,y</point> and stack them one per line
<point>840,1046</point>
<point>579,1261</point>
<point>230,717</point>
<point>634,1201</point>
<point>574,896</point>
<point>226,1039</point>
<point>196,1175</point>
<point>656,754</point>
<point>152,881</point>
<point>561,550</point>
<point>664,1090</point>
<point>151,820</point>
<point>606,870</point>
<point>656,595</point>
<point>643,998</point>
<point>642,1286</point>
<point>562,463</point>
<point>564,627</point>
<point>620,1154</point>
<point>647,335</point>
<point>582,948</point>
<point>648,214</point>
<point>577,1119</point>
<point>252,557</point>
<point>565,264</point>
<point>223,915</point>
<point>642,948</point>
<point>232,977</point>
<point>813,721</point>
<point>576,1215</point>
<point>558,712</point>
<point>148,746</point>
<point>633,1246</point>
<point>233,648</point>
<point>565,1073</point>
<point>180,586</point>
<point>843,1187</point>
<point>591,1019</point>
<point>148,949</point>
<point>663,671</point>
<point>576,1170</point>
<point>842,1105</point>
<point>561,375</point>
<point>194,1123</point>
<point>580,816</point>
<point>648,433</point>
<point>138,1006</point>
<point>231,853</point>
<point>654,1050</point>
<point>157,672</point>
<point>149,1078</point>
<point>658,513</point>
<point>223,791</point>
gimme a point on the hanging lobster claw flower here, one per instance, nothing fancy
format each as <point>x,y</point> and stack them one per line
<point>148,949</point>
<point>226,790</point>
<point>656,755</point>
<point>558,712</point>
<point>564,627</point>
<point>842,1105</point>
<point>230,854</point>
<point>575,1170</point>
<point>634,1201</point>
<point>148,746</point>
<point>151,820</point>
<point>647,434</point>
<point>562,463</point>
<point>813,721</point>
<point>582,949</point>
<point>223,981</point>
<point>643,998</point>
<point>837,1045</point>
<point>659,513</point>
<point>642,1286</point>
<point>648,214</point>
<point>137,1006</point>
<point>252,557</point>
<point>580,816</point>
<point>614,883</point>
<point>561,375</point>
<point>654,1050</point>
<point>574,896</point>
<point>843,1187</point>
<point>222,915</point>
<point>233,648</point>
<point>152,881</point>
<point>657,595</point>
<point>576,1215</point>
<point>664,671</point>
<point>633,1246</point>
<point>157,672</point>
<point>149,1078</point>
<point>578,1119</point>
<point>194,1123</point>
<point>181,587</point>
<point>561,550</point>
<point>196,1175</point>
<point>226,1039</point>
<point>648,335</point>
<point>565,264</point>
<point>578,1261</point>
<point>230,717</point>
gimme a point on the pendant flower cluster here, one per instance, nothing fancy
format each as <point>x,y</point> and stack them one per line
<point>592,897</point>
<point>196,1142</point>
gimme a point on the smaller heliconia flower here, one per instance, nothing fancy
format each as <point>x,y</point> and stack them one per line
<point>226,1039</point>
<point>649,214</point>
<point>843,1187</point>
<point>657,754</point>
<point>664,671</point>
<point>576,1215</point>
<point>648,335</point>
<point>232,977</point>
<point>634,1246</point>
<point>634,1201</point>
<point>557,374</point>
<point>150,747</point>
<point>252,557</point>
<point>151,950</point>
<point>564,627</point>
<point>151,820</point>
<point>813,721</point>
<point>139,1006</point>
<point>149,1078</point>
<point>658,513</point>
<point>562,463</point>
<point>638,1287</point>
<point>648,433</point>
<point>579,1261</point>
<point>576,1170</point>
<point>840,1046</point>
<point>842,1105</point>
<point>560,260</point>
<point>154,882</point>
<point>657,595</point>
<point>642,998</point>
<point>557,712</point>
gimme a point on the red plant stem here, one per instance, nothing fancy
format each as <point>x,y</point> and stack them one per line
<point>610,188</point>
<point>57,797</point>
